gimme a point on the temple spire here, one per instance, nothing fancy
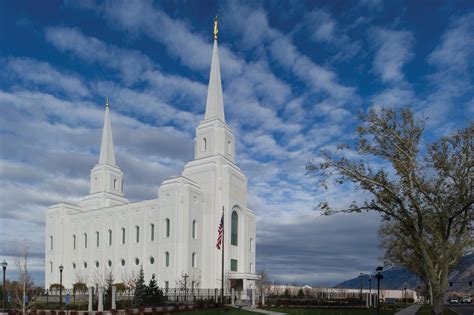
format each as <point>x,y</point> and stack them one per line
<point>107,155</point>
<point>215,102</point>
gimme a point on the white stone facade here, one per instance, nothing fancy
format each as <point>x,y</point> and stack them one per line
<point>172,235</point>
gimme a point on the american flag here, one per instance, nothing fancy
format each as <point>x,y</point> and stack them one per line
<point>220,231</point>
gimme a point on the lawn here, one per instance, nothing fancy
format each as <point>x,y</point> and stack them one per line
<point>427,309</point>
<point>218,311</point>
<point>329,311</point>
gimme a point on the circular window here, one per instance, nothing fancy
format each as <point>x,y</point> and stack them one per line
<point>122,262</point>
<point>85,265</point>
<point>137,261</point>
<point>152,260</point>
<point>109,263</point>
<point>97,264</point>
<point>73,265</point>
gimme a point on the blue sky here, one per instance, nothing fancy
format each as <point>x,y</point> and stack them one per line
<point>295,75</point>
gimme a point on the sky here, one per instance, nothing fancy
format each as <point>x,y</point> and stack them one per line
<point>295,76</point>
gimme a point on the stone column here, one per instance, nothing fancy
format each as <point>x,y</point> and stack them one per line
<point>263,297</point>
<point>100,308</point>
<point>243,294</point>
<point>232,291</point>
<point>114,294</point>
<point>253,297</point>
<point>91,290</point>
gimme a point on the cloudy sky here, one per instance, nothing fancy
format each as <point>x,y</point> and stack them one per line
<point>295,74</point>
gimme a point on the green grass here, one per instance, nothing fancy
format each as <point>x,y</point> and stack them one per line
<point>427,309</point>
<point>218,311</point>
<point>328,311</point>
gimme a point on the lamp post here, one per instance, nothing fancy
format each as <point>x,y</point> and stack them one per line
<point>361,285</point>
<point>370,291</point>
<point>4,266</point>
<point>61,286</point>
<point>378,276</point>
<point>405,287</point>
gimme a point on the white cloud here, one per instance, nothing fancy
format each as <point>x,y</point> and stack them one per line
<point>44,75</point>
<point>393,51</point>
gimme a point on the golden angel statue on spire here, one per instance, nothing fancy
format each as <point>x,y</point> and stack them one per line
<point>216,30</point>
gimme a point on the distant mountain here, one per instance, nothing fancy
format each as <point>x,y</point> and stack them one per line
<point>396,277</point>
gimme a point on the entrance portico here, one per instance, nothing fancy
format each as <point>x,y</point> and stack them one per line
<point>243,283</point>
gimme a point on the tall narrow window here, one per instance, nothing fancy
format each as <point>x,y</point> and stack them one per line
<point>233,265</point>
<point>115,184</point>
<point>204,144</point>
<point>123,236</point>
<point>168,228</point>
<point>97,239</point>
<point>152,232</point>
<point>167,286</point>
<point>74,241</point>
<point>251,245</point>
<point>51,266</point>
<point>229,148</point>
<point>251,267</point>
<point>85,240</point>
<point>137,234</point>
<point>194,229</point>
<point>51,242</point>
<point>234,234</point>
<point>110,237</point>
<point>167,259</point>
<point>193,260</point>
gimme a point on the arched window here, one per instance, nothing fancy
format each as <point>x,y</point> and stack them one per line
<point>251,245</point>
<point>122,262</point>
<point>251,267</point>
<point>85,265</point>
<point>193,260</point>
<point>137,234</point>
<point>110,237</point>
<point>167,259</point>
<point>152,232</point>
<point>51,242</point>
<point>234,235</point>
<point>74,241</point>
<point>85,240</point>
<point>51,266</point>
<point>137,261</point>
<point>109,263</point>
<point>115,184</point>
<point>204,144</point>
<point>167,228</point>
<point>229,147</point>
<point>97,264</point>
<point>152,260</point>
<point>123,236</point>
<point>97,239</point>
<point>194,229</point>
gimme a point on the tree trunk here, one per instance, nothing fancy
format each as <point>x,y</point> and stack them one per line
<point>438,302</point>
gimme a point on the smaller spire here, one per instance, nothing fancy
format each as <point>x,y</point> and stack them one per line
<point>107,102</point>
<point>107,155</point>
<point>216,27</point>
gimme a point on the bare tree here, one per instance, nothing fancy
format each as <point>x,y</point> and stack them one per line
<point>25,284</point>
<point>424,194</point>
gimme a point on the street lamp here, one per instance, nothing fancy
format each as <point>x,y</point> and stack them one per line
<point>4,266</point>
<point>406,286</point>
<point>361,285</point>
<point>61,286</point>
<point>370,291</point>
<point>378,276</point>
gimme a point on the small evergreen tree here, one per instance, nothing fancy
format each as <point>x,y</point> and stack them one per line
<point>109,282</point>
<point>301,293</point>
<point>154,295</point>
<point>139,297</point>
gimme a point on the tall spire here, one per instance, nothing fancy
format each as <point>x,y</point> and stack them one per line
<point>107,155</point>
<point>215,102</point>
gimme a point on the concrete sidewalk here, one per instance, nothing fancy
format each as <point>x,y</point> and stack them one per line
<point>410,310</point>
<point>259,310</point>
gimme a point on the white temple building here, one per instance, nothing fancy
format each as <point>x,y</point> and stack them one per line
<point>170,236</point>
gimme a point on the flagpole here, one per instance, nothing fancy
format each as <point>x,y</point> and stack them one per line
<point>223,234</point>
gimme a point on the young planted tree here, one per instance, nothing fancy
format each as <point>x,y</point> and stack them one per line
<point>23,291</point>
<point>424,193</point>
<point>139,297</point>
<point>154,295</point>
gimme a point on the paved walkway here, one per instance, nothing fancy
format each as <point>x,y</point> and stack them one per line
<point>259,310</point>
<point>410,310</point>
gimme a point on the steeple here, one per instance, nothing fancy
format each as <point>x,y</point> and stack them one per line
<point>107,155</point>
<point>215,102</point>
<point>106,177</point>
<point>213,135</point>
